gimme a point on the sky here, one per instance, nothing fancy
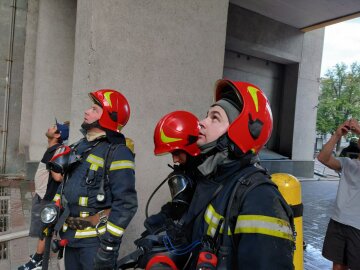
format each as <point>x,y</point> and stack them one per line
<point>341,44</point>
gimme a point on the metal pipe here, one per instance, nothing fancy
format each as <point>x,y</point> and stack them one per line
<point>9,60</point>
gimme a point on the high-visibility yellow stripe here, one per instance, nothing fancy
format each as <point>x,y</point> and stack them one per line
<point>95,162</point>
<point>84,214</point>
<point>94,167</point>
<point>56,197</point>
<point>114,230</point>
<point>64,227</point>
<point>212,218</point>
<point>122,164</point>
<point>264,225</point>
<point>83,201</point>
<point>89,232</point>
<point>164,138</point>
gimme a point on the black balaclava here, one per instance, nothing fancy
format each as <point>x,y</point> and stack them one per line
<point>87,126</point>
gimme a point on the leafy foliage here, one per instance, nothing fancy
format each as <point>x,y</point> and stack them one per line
<point>339,97</point>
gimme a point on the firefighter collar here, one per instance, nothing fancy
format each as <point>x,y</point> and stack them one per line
<point>92,136</point>
<point>209,166</point>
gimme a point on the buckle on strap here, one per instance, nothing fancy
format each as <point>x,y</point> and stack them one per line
<point>103,218</point>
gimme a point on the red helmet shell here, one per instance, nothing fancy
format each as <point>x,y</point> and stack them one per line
<point>178,130</point>
<point>116,109</point>
<point>251,130</point>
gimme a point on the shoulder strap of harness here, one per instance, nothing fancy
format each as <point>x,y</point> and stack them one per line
<point>100,196</point>
<point>241,188</point>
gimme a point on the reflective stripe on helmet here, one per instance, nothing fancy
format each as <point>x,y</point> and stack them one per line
<point>167,139</point>
<point>253,92</point>
<point>107,98</point>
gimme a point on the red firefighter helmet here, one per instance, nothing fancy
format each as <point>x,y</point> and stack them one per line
<point>251,130</point>
<point>116,109</point>
<point>178,130</point>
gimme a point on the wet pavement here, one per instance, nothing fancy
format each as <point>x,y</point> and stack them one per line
<point>318,199</point>
<point>15,205</point>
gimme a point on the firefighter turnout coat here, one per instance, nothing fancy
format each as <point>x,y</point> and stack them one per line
<point>79,191</point>
<point>260,230</point>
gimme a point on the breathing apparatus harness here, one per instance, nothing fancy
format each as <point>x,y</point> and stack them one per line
<point>73,160</point>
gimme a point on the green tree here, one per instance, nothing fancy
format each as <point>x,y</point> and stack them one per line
<point>339,97</point>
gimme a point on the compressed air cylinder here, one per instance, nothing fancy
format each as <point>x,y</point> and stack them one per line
<point>290,189</point>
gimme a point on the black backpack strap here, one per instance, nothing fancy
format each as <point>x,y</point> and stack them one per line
<point>100,197</point>
<point>241,188</point>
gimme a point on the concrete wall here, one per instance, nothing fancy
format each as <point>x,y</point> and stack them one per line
<point>259,36</point>
<point>53,69</point>
<point>29,76</point>
<point>263,73</point>
<point>162,55</point>
<point>300,53</point>
<point>307,94</point>
<point>287,110</point>
<point>14,162</point>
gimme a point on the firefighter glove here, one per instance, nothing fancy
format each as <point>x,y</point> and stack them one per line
<point>155,222</point>
<point>106,256</point>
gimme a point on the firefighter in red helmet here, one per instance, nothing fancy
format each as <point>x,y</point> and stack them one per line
<point>236,211</point>
<point>176,133</point>
<point>178,130</point>
<point>98,194</point>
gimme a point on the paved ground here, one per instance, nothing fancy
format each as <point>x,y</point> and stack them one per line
<point>318,195</point>
<point>318,198</point>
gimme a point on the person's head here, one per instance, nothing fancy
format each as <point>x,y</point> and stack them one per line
<point>110,111</point>
<point>177,133</point>
<point>243,112</point>
<point>59,131</point>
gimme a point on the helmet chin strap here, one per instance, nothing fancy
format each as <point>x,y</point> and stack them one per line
<point>87,126</point>
<point>216,146</point>
<point>222,143</point>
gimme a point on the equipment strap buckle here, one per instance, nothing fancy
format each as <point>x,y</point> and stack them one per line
<point>103,218</point>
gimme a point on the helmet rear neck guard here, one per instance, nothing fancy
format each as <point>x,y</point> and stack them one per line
<point>116,109</point>
<point>178,130</point>
<point>251,130</point>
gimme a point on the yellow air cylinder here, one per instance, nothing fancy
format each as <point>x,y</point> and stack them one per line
<point>290,189</point>
<point>130,144</point>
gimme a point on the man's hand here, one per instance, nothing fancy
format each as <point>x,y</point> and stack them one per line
<point>106,256</point>
<point>343,129</point>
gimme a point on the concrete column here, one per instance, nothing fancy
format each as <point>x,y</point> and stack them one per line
<point>53,69</point>
<point>163,55</point>
<point>307,94</point>
<point>11,51</point>
<point>29,75</point>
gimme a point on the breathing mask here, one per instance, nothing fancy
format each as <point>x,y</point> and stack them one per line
<point>63,158</point>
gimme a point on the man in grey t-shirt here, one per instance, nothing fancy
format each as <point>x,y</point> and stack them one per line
<point>342,240</point>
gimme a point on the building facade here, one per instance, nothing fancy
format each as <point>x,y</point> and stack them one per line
<point>163,56</point>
